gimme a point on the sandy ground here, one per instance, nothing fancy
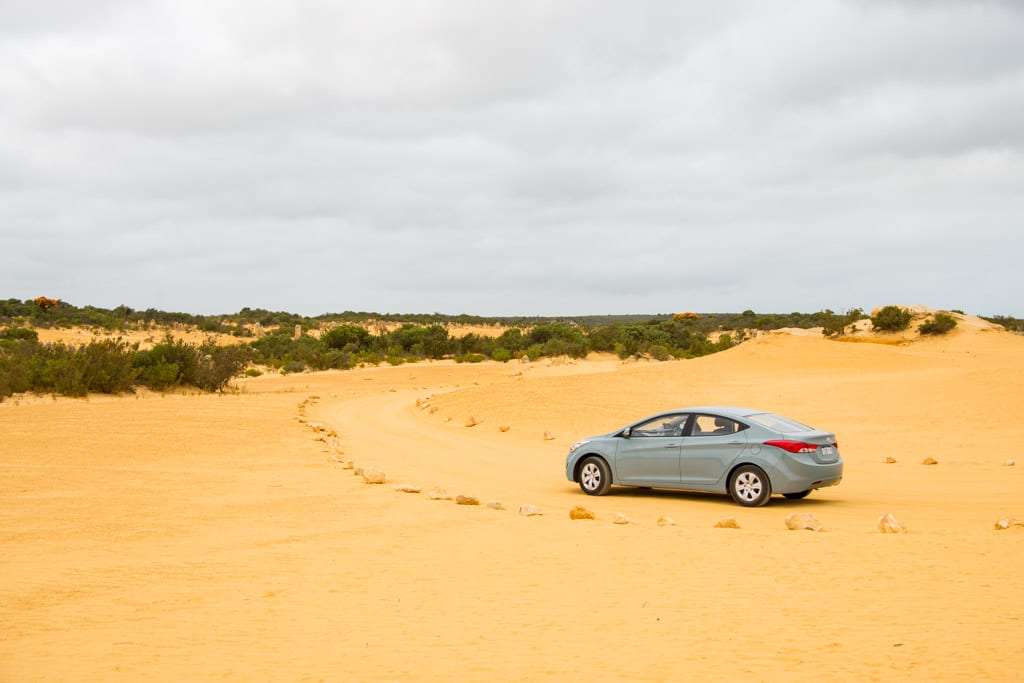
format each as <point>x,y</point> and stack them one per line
<point>218,537</point>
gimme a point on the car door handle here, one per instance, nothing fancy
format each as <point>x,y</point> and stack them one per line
<point>672,445</point>
<point>735,443</point>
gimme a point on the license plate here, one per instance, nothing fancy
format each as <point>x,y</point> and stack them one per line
<point>828,451</point>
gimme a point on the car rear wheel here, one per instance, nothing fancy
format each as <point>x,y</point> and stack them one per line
<point>749,486</point>
<point>595,478</point>
<point>798,495</point>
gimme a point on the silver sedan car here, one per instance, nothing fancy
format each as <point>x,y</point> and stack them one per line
<point>749,454</point>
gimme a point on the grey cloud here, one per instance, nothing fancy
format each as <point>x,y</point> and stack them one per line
<point>528,158</point>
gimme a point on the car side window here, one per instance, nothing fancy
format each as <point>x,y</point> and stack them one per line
<point>663,425</point>
<point>714,425</point>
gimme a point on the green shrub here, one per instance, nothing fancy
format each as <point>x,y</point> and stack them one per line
<point>252,372</point>
<point>891,319</point>
<point>834,325</point>
<point>368,358</point>
<point>350,337</point>
<point>294,366</point>
<point>501,355</point>
<point>63,376</point>
<point>24,333</point>
<point>217,365</point>
<point>338,360</point>
<point>107,366</point>
<point>940,324</point>
<point>470,358</point>
<point>659,352</point>
<point>513,340</point>
<point>159,376</point>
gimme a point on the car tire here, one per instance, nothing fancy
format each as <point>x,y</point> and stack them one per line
<point>749,486</point>
<point>595,477</point>
<point>798,495</point>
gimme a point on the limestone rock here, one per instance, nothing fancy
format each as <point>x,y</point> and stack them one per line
<point>929,461</point>
<point>466,500</point>
<point>803,521</point>
<point>407,488</point>
<point>620,518</point>
<point>438,494</point>
<point>372,476</point>
<point>666,521</point>
<point>581,513</point>
<point>548,436</point>
<point>1009,463</point>
<point>504,428</point>
<point>472,421</point>
<point>529,510</point>
<point>728,523</point>
<point>358,471</point>
<point>496,505</point>
<point>1007,523</point>
<point>888,524</point>
<point>889,460</point>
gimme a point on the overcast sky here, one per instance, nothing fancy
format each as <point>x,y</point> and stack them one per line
<point>537,157</point>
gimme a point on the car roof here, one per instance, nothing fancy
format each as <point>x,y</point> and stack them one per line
<point>733,411</point>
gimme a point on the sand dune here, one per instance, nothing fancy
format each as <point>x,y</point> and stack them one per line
<point>219,537</point>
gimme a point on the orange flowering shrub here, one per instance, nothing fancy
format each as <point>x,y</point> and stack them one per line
<point>45,303</point>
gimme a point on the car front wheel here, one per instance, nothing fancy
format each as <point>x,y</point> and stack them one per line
<point>749,486</point>
<point>595,478</point>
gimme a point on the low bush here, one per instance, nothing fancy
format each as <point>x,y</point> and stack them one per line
<point>835,325</point>
<point>294,366</point>
<point>891,319</point>
<point>24,333</point>
<point>940,324</point>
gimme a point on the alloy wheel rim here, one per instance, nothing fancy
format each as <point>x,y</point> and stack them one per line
<point>748,486</point>
<point>591,475</point>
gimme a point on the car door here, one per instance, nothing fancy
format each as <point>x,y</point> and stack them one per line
<point>648,453</point>
<point>713,443</point>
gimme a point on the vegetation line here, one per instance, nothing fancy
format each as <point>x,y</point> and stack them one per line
<point>283,342</point>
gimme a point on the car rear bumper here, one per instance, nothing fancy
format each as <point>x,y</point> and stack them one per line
<point>794,475</point>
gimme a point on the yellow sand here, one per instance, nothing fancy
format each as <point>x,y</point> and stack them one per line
<point>219,537</point>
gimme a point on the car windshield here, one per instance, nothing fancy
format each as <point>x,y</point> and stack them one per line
<point>778,423</point>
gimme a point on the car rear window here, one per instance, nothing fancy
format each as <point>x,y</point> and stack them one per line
<point>778,423</point>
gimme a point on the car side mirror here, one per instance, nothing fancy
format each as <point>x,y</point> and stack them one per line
<point>627,432</point>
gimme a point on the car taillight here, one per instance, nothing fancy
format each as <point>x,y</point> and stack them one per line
<point>793,446</point>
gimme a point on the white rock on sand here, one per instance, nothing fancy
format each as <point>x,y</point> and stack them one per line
<point>803,521</point>
<point>888,524</point>
<point>373,476</point>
